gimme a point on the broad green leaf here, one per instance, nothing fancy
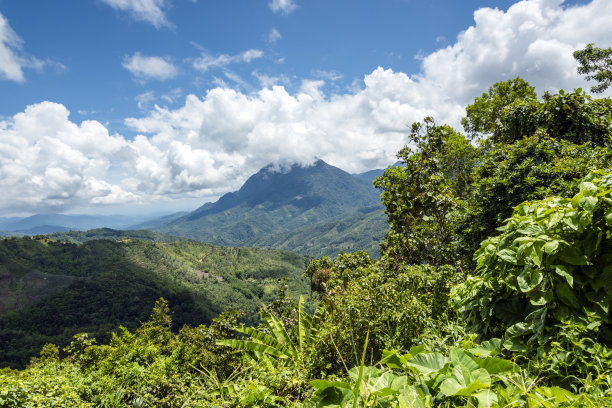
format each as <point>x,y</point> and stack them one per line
<point>464,382</point>
<point>529,279</point>
<point>540,298</point>
<point>572,256</point>
<point>410,398</point>
<point>249,345</point>
<point>303,327</point>
<point>495,365</point>
<point>414,350</point>
<point>511,311</point>
<point>486,398</point>
<point>587,188</point>
<point>323,384</point>
<point>460,357</point>
<point>508,255</point>
<point>280,333</point>
<point>588,203</point>
<point>264,338</point>
<point>486,348</point>
<point>609,218</point>
<point>514,344</point>
<point>604,280</point>
<point>556,394</point>
<point>572,222</point>
<point>551,247</point>
<point>427,363</point>
<point>392,359</point>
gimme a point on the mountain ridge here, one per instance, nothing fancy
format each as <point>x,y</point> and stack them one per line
<point>274,201</point>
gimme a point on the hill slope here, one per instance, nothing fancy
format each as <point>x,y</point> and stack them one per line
<point>361,231</point>
<point>51,290</point>
<point>275,202</point>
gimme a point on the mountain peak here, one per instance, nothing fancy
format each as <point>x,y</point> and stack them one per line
<point>278,198</point>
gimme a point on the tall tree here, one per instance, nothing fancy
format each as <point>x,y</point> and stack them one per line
<point>596,64</point>
<point>483,115</point>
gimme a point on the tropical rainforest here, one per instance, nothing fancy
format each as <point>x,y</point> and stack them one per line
<point>493,287</point>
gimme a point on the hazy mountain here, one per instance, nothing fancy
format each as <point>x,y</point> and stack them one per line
<point>275,201</point>
<point>50,223</point>
<point>372,174</point>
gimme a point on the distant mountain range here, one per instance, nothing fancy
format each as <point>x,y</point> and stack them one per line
<point>48,223</point>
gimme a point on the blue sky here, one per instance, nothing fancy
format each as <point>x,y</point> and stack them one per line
<point>89,40</point>
<point>116,105</point>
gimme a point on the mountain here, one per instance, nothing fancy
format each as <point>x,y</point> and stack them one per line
<point>50,290</point>
<point>361,231</point>
<point>276,201</point>
<point>369,176</point>
<point>48,223</point>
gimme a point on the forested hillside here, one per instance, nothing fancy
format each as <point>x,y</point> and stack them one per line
<point>493,289</point>
<point>361,231</point>
<point>51,290</point>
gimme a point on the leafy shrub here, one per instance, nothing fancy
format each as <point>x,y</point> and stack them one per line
<point>549,270</point>
<point>398,308</point>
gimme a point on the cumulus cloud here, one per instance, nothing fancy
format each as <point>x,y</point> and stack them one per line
<point>533,39</point>
<point>150,67</point>
<point>211,144</point>
<point>49,163</point>
<point>150,11</point>
<point>206,62</point>
<point>282,6</point>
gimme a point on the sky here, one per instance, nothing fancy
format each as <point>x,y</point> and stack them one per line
<point>135,106</point>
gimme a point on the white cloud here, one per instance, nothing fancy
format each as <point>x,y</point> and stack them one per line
<point>533,39</point>
<point>49,163</point>
<point>274,35</point>
<point>328,75</point>
<point>282,6</point>
<point>10,63</point>
<point>151,11</point>
<point>267,81</point>
<point>206,62</point>
<point>12,58</point>
<point>150,67</point>
<point>144,100</point>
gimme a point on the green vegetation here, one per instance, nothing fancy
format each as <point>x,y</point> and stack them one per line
<point>51,290</point>
<point>359,232</point>
<point>493,289</point>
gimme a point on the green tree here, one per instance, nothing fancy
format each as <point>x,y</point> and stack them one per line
<point>483,115</point>
<point>422,196</point>
<point>530,169</point>
<point>596,64</point>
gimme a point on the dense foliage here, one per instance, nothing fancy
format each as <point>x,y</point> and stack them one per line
<point>493,289</point>
<point>52,290</point>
